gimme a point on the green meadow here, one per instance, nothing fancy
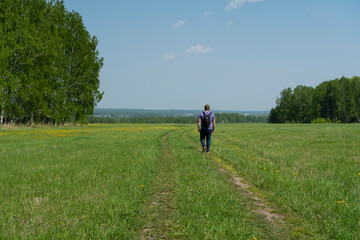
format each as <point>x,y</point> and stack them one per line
<point>150,181</point>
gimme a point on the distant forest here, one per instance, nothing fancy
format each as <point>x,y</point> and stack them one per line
<point>49,64</point>
<point>331,101</point>
<point>220,118</point>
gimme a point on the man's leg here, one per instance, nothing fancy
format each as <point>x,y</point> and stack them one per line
<point>208,140</point>
<point>202,138</point>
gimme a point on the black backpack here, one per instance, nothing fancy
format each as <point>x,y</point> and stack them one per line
<point>206,121</point>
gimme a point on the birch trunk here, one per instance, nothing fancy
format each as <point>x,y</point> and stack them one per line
<point>2,113</point>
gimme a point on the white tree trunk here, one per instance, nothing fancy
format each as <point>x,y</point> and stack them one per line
<point>2,117</point>
<point>2,113</point>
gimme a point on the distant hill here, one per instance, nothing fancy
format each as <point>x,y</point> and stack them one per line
<point>143,113</point>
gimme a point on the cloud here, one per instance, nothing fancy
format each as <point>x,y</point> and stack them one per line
<point>199,49</point>
<point>179,23</point>
<point>206,14</point>
<point>230,23</point>
<point>233,4</point>
<point>168,56</point>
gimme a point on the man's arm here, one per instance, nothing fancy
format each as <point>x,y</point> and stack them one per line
<point>199,124</point>
<point>214,123</point>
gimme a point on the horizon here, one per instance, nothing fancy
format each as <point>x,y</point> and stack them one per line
<point>171,109</point>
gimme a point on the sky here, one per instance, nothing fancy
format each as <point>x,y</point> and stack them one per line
<point>230,54</point>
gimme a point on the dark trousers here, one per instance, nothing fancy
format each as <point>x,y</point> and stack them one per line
<point>206,133</point>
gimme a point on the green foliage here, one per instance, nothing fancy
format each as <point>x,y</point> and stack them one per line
<point>49,65</point>
<point>321,120</point>
<point>337,100</point>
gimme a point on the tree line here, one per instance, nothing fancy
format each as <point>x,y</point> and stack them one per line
<point>331,101</point>
<point>220,118</point>
<point>49,64</point>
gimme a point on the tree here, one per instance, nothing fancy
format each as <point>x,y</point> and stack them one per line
<point>336,100</point>
<point>49,63</point>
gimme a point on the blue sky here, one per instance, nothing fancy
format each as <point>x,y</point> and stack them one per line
<point>231,54</point>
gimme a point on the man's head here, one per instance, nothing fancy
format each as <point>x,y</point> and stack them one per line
<point>207,107</point>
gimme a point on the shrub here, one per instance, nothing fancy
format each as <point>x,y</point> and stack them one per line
<point>321,120</point>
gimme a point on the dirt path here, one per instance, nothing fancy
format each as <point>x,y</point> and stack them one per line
<point>270,220</point>
<point>159,214</point>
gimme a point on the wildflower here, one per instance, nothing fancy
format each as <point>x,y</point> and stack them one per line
<point>295,173</point>
<point>277,171</point>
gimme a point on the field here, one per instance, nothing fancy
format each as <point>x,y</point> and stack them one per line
<point>123,181</point>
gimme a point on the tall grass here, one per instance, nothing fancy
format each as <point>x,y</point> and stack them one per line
<point>76,183</point>
<point>311,171</point>
<point>97,182</point>
<point>209,207</point>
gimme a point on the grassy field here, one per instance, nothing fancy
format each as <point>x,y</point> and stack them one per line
<point>151,182</point>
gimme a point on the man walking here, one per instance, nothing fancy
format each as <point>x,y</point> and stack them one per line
<point>206,126</point>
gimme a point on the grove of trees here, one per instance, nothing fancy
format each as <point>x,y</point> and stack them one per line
<point>331,101</point>
<point>49,64</point>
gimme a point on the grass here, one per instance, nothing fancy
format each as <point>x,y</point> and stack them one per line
<point>208,206</point>
<point>310,171</point>
<point>76,182</point>
<point>107,181</point>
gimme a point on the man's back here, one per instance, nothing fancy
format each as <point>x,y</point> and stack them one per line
<point>207,116</point>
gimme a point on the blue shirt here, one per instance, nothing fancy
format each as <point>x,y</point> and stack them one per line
<point>212,117</point>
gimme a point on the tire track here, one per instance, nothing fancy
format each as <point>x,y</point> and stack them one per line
<point>276,225</point>
<point>159,213</point>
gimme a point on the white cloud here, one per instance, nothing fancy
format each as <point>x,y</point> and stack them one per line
<point>206,14</point>
<point>199,49</point>
<point>233,4</point>
<point>179,23</point>
<point>230,23</point>
<point>169,56</point>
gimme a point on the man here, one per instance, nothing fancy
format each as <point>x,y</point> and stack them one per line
<point>206,126</point>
